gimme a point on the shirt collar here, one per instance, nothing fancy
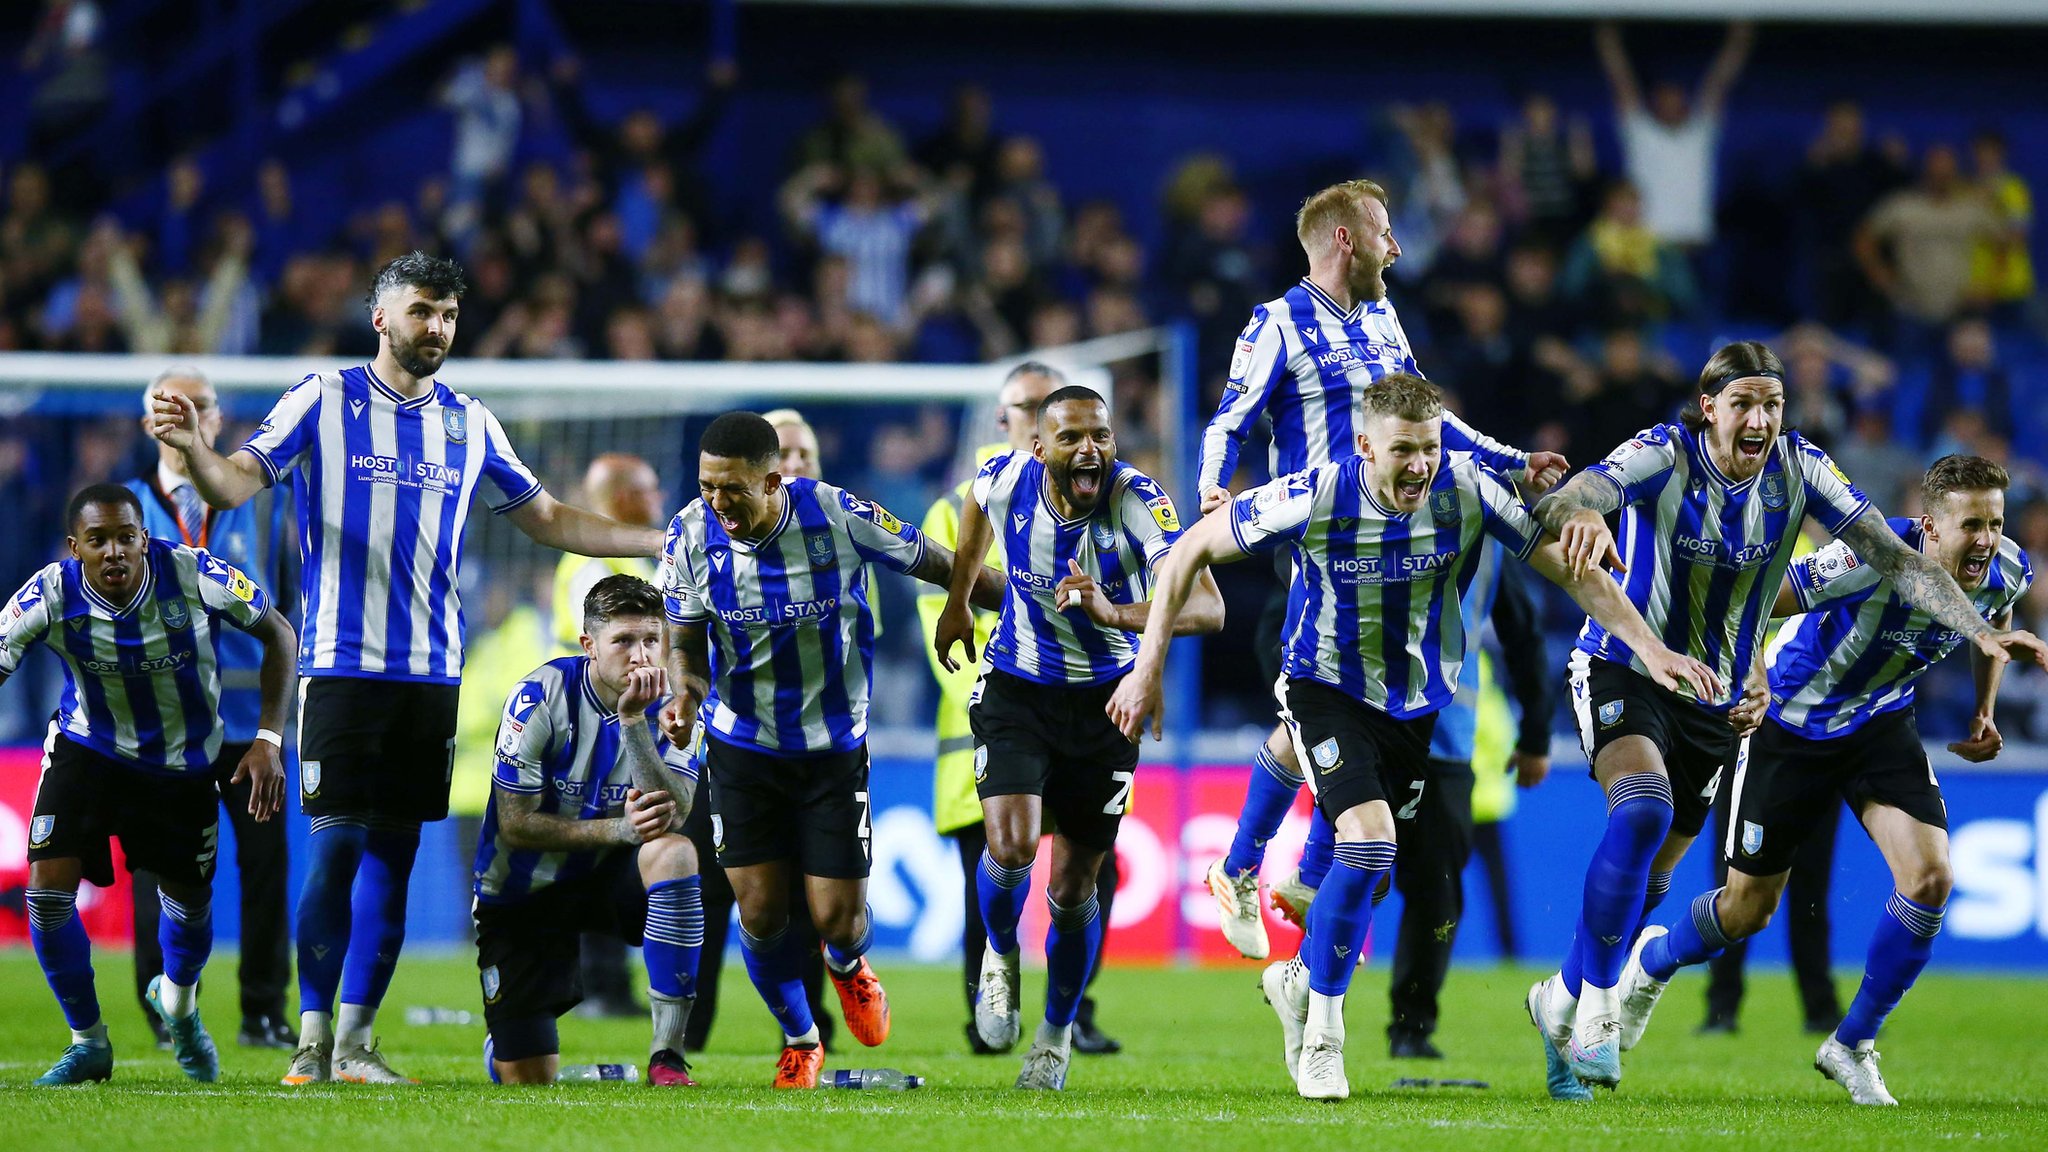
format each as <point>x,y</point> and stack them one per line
<point>168,481</point>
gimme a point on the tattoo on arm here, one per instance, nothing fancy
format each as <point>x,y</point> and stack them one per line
<point>689,667</point>
<point>1584,492</point>
<point>650,774</point>
<point>1921,581</point>
<point>524,826</point>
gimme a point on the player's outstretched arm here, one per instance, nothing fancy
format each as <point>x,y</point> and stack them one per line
<point>651,775</point>
<point>1202,615</point>
<point>1984,742</point>
<point>1927,586</point>
<point>1602,599</point>
<point>277,680</point>
<point>222,481</point>
<point>1576,515</point>
<point>963,586</point>
<point>1210,541</point>
<point>548,521</point>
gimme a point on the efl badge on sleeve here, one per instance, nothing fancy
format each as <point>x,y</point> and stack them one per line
<point>1772,489</point>
<point>1610,713</point>
<point>818,546</point>
<point>1163,513</point>
<point>309,777</point>
<point>39,830</point>
<point>887,521</point>
<point>1752,837</point>
<point>1443,507</point>
<point>455,422</point>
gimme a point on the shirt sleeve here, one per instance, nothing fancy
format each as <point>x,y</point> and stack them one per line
<point>1831,499</point>
<point>683,599</point>
<point>1502,516</point>
<point>986,479</point>
<point>677,758</point>
<point>1462,437</point>
<point>1640,466</point>
<point>877,535</point>
<point>226,591</point>
<point>525,733</point>
<point>1828,574</point>
<point>289,431</point>
<point>1147,514</point>
<point>1275,513</point>
<point>25,620</point>
<point>502,467</point>
<point>1257,365</point>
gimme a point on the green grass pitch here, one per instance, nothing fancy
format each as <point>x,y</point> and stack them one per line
<point>1201,1069</point>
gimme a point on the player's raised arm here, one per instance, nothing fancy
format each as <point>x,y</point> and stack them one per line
<point>548,521</point>
<point>222,481</point>
<point>1576,515</point>
<point>1211,541</point>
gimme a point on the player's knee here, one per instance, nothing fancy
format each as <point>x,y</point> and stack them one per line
<point>1012,849</point>
<point>670,857</point>
<point>839,923</point>
<point>1745,912</point>
<point>1929,884</point>
<point>1071,888</point>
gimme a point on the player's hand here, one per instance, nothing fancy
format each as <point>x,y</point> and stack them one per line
<point>1214,498</point>
<point>644,686</point>
<point>1984,742</point>
<point>2016,644</point>
<point>1748,711</point>
<point>1545,469</point>
<point>1683,674</point>
<point>650,815</point>
<point>264,772</point>
<point>1588,543</point>
<point>956,626</point>
<point>1530,768</point>
<point>173,419</point>
<point>677,718</point>
<point>1138,697</point>
<point>1079,590</point>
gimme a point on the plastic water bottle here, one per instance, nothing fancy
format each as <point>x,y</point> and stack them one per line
<point>880,1079</point>
<point>419,1016</point>
<point>592,1073</point>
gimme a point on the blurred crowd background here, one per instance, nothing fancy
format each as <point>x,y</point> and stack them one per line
<point>1584,211</point>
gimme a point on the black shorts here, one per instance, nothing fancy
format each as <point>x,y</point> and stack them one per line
<point>1269,637</point>
<point>169,825</point>
<point>1612,700</point>
<point>1788,783</point>
<point>529,955</point>
<point>1054,742</point>
<point>769,806</point>
<point>376,747</point>
<point>1352,753</point>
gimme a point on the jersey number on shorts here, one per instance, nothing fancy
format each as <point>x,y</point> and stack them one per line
<point>1122,799</point>
<point>1407,811</point>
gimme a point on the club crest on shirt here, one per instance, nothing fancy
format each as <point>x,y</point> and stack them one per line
<point>1443,508</point>
<point>1752,837</point>
<point>39,830</point>
<point>309,777</point>
<point>1772,489</point>
<point>1610,713</point>
<point>1104,536</point>
<point>818,546</point>
<point>1326,755</point>
<point>455,422</point>
<point>493,984</point>
<point>174,613</point>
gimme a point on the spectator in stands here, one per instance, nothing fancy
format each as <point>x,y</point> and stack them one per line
<point>963,154</point>
<point>1547,169</point>
<point>1471,256</point>
<point>1969,377</point>
<point>1211,266</point>
<point>74,86</point>
<point>1844,177</point>
<point>2001,269</point>
<point>1916,246</point>
<point>1629,390</point>
<point>1827,378</point>
<point>1670,144</point>
<point>1428,186</point>
<point>179,318</point>
<point>684,328</point>
<point>852,136</point>
<point>867,226</point>
<point>484,97</point>
<point>1020,180</point>
<point>37,244</point>
<point>623,156</point>
<point>1477,358</point>
<point>1886,470</point>
<point>1621,273</point>
<point>177,226</point>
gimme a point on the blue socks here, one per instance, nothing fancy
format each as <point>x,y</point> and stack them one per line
<point>674,937</point>
<point>1342,912</point>
<point>1653,895</point>
<point>1899,949</point>
<point>1002,891</point>
<point>377,928</point>
<point>336,850</point>
<point>772,966</point>
<point>1694,939</point>
<point>1638,817</point>
<point>1071,945</point>
<point>1316,854</point>
<point>844,960</point>
<point>185,933</point>
<point>1266,800</point>
<point>65,954</point>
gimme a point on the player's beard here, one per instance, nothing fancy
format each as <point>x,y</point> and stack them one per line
<point>419,361</point>
<point>1063,479</point>
<point>1370,284</point>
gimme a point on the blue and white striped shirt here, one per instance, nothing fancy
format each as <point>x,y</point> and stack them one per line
<point>1366,613</point>
<point>557,741</point>
<point>1706,555</point>
<point>792,636</point>
<point>142,679</point>
<point>1118,544</point>
<point>385,485</point>
<point>1303,360</point>
<point>1859,648</point>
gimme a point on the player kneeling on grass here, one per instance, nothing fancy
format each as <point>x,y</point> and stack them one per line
<point>130,754</point>
<point>1082,533</point>
<point>1383,542</point>
<point>584,834</point>
<point>1840,726</point>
